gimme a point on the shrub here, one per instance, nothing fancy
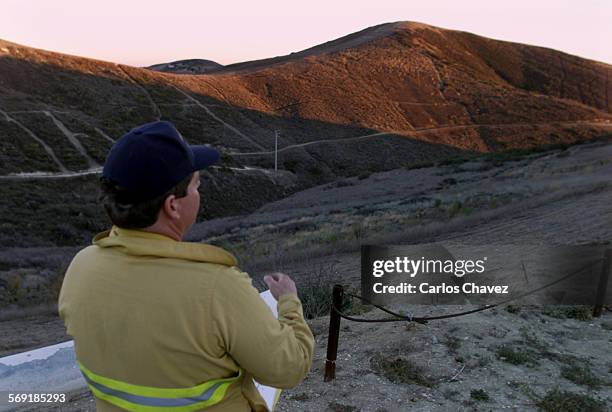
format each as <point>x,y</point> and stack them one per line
<point>581,375</point>
<point>316,292</point>
<point>340,407</point>
<point>399,370</point>
<point>564,401</point>
<point>454,208</point>
<point>479,395</point>
<point>452,342</point>
<point>569,312</point>
<point>513,309</point>
<point>517,356</point>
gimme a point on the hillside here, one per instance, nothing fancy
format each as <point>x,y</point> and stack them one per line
<point>190,66</point>
<point>395,95</point>
<point>558,354</point>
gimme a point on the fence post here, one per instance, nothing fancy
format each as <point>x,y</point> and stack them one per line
<point>334,333</point>
<point>603,283</point>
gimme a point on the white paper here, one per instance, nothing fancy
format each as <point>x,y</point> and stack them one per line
<point>268,393</point>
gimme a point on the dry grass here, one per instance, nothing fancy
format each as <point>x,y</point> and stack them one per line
<point>400,370</point>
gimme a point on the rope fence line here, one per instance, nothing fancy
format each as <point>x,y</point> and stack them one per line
<point>338,294</point>
<point>425,319</point>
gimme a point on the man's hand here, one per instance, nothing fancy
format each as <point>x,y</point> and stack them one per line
<point>280,284</point>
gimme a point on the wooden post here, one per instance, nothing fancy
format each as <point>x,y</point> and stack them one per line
<point>334,334</point>
<point>603,283</point>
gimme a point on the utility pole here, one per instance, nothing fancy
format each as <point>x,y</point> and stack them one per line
<point>276,152</point>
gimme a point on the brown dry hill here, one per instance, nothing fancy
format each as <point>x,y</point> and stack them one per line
<point>453,90</point>
<point>393,95</point>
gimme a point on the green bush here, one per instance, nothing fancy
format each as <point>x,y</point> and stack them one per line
<point>517,356</point>
<point>454,208</point>
<point>564,401</point>
<point>400,370</point>
<point>479,395</point>
<point>569,312</point>
<point>581,375</point>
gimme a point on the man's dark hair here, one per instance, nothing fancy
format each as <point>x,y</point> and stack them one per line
<point>126,213</point>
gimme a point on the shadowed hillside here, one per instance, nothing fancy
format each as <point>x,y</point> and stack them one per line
<point>395,95</point>
<point>434,85</point>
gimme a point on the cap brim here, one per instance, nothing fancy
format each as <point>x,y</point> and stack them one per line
<point>204,156</point>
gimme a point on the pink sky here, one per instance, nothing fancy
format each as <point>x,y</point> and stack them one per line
<point>142,33</point>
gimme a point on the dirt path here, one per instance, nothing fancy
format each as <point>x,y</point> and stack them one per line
<point>294,146</point>
<point>594,122</point>
<point>30,133</point>
<point>422,131</point>
<point>44,175</point>
<point>217,118</point>
<point>72,139</point>
<point>154,107</point>
<point>104,135</point>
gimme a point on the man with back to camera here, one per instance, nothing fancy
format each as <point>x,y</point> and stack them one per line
<point>161,324</point>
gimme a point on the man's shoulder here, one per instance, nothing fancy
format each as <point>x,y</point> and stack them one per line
<point>233,274</point>
<point>232,279</point>
<point>94,256</point>
<point>85,253</point>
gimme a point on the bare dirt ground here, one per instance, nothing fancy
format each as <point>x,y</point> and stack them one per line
<point>436,367</point>
<point>509,358</point>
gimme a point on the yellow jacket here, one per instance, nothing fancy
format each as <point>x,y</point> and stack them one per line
<point>148,310</point>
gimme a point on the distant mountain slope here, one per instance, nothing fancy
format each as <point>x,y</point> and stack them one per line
<point>397,94</point>
<point>191,66</point>
<point>394,95</point>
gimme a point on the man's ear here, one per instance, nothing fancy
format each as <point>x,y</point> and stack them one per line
<point>170,207</point>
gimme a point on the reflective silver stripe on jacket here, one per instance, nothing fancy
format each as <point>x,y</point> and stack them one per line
<point>152,401</point>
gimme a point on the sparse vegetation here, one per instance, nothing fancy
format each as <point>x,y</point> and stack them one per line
<point>532,340</point>
<point>524,389</point>
<point>340,407</point>
<point>316,292</point>
<point>563,401</point>
<point>582,312</point>
<point>400,370</point>
<point>452,342</point>
<point>483,360</point>
<point>581,375</point>
<point>513,309</point>
<point>44,213</point>
<point>358,230</point>
<point>303,396</point>
<point>518,356</point>
<point>454,208</point>
<point>479,395</point>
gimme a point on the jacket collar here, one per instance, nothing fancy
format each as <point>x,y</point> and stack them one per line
<point>141,243</point>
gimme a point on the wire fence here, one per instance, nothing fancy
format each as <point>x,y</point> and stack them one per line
<point>338,295</point>
<point>425,319</point>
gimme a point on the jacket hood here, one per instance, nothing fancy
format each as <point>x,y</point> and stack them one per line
<point>141,243</point>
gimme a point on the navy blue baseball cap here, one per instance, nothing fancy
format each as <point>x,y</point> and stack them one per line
<point>152,158</point>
